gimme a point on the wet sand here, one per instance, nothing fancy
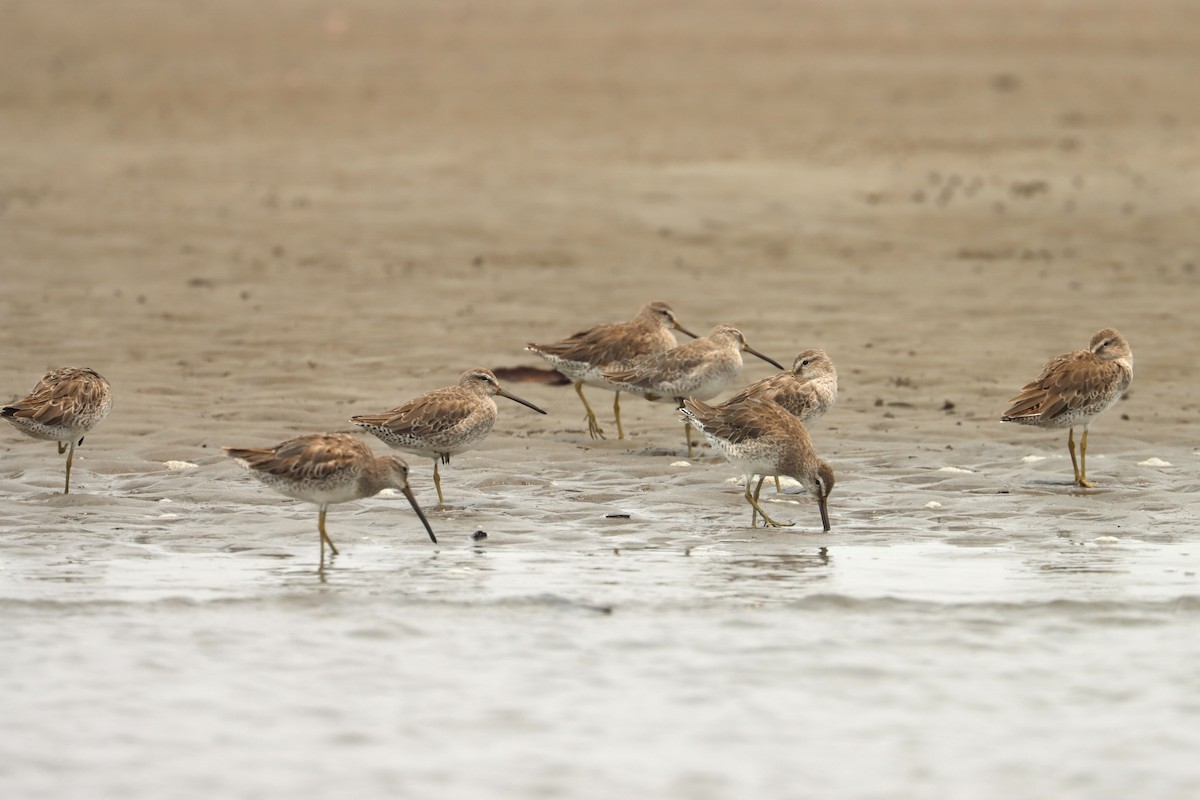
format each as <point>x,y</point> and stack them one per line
<point>257,220</point>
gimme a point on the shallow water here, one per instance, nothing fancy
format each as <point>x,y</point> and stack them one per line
<point>170,634</point>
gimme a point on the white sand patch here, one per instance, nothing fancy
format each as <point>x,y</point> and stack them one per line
<point>1106,540</point>
<point>958,470</point>
<point>1154,462</point>
<point>177,465</point>
<point>1031,459</point>
<point>681,463</point>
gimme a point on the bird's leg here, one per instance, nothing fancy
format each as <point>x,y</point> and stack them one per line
<point>594,429</point>
<point>324,536</point>
<point>687,437</point>
<point>766,520</point>
<point>778,488</point>
<point>437,482</point>
<point>1082,477</point>
<point>62,447</point>
<point>70,456</point>
<point>757,492</point>
<point>1071,447</point>
<point>617,413</point>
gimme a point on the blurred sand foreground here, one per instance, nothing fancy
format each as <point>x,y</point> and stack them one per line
<point>257,219</point>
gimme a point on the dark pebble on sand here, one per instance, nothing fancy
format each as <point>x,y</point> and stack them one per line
<point>477,535</point>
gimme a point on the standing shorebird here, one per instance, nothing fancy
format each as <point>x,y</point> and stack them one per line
<point>584,355</point>
<point>806,391</point>
<point>327,468</point>
<point>443,422</point>
<point>64,406</point>
<point>700,369</point>
<point>1075,387</point>
<point>761,438</point>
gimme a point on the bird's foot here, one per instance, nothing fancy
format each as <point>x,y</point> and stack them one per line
<point>594,429</point>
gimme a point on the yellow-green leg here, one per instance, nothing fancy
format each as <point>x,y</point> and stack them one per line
<point>757,491</point>
<point>753,501</point>
<point>687,437</point>
<point>1082,479</point>
<point>1080,465</point>
<point>437,482</point>
<point>594,429</point>
<point>1071,448</point>
<point>617,414</point>
<point>778,488</point>
<point>70,456</point>
<point>324,536</point>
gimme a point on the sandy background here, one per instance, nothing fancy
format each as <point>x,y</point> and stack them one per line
<point>257,219</point>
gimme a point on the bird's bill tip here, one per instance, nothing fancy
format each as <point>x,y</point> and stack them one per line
<point>412,501</point>
<point>822,503</point>
<point>521,400</point>
<point>764,357</point>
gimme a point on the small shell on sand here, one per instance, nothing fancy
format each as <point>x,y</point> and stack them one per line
<point>1102,540</point>
<point>681,463</point>
<point>1031,459</point>
<point>959,470</point>
<point>177,465</point>
<point>933,504</point>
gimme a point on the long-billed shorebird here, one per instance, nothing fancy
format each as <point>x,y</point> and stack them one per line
<point>700,369</point>
<point>327,468</point>
<point>1073,388</point>
<point>759,437</point>
<point>806,391</point>
<point>443,422</point>
<point>584,355</point>
<point>64,406</point>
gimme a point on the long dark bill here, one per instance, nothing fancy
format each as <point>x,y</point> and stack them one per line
<point>754,352</point>
<point>526,403</point>
<point>413,502</point>
<point>822,504</point>
<point>682,329</point>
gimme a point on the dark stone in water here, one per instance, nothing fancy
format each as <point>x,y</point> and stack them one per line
<point>478,535</point>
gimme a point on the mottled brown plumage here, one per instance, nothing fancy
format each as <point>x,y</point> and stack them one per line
<point>700,369</point>
<point>806,391</point>
<point>327,468</point>
<point>761,438</point>
<point>584,355</point>
<point>443,422</point>
<point>1074,388</point>
<point>63,407</point>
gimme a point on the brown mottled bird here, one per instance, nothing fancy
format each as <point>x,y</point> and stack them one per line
<point>584,355</point>
<point>700,369</point>
<point>806,391</point>
<point>64,406</point>
<point>761,438</point>
<point>1073,388</point>
<point>443,422</point>
<point>327,468</point>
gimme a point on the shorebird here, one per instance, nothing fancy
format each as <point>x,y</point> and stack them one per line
<point>1073,388</point>
<point>443,422</point>
<point>806,391</point>
<point>700,369</point>
<point>327,468</point>
<point>584,355</point>
<point>64,406</point>
<point>761,438</point>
